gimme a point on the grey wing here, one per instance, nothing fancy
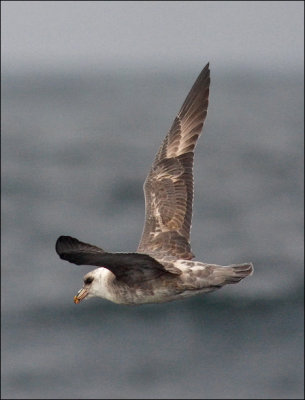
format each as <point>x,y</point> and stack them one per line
<point>168,187</point>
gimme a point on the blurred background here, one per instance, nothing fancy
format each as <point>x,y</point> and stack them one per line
<point>89,90</point>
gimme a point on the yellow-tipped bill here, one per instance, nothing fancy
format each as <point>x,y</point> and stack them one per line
<point>80,295</point>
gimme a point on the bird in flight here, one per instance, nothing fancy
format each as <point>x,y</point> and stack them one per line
<point>162,268</point>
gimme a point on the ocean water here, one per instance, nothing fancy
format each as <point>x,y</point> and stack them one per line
<point>76,148</point>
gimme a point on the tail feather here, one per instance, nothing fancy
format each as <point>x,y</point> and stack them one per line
<point>236,272</point>
<point>209,277</point>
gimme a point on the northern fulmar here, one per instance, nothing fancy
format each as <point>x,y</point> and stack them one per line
<point>161,269</point>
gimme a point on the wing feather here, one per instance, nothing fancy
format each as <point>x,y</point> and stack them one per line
<point>168,187</point>
<point>130,268</point>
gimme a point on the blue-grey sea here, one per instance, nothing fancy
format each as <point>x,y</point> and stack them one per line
<point>76,148</point>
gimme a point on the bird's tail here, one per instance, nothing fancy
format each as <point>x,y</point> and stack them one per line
<point>209,277</point>
<point>235,272</point>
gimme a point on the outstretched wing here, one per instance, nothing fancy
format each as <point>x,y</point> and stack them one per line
<point>168,187</point>
<point>130,268</point>
<point>79,253</point>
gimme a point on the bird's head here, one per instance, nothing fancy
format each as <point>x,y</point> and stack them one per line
<point>94,284</point>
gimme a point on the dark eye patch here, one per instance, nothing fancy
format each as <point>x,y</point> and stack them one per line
<point>88,280</point>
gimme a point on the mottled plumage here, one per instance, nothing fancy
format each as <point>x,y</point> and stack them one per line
<point>161,269</point>
<point>169,185</point>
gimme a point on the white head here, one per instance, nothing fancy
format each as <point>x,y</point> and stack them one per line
<point>95,285</point>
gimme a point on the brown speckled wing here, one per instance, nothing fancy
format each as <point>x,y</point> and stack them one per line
<point>168,187</point>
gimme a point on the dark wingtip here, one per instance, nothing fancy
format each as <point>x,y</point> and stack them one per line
<point>71,249</point>
<point>207,67</point>
<point>65,242</point>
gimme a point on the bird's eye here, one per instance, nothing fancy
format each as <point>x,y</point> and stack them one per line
<point>87,281</point>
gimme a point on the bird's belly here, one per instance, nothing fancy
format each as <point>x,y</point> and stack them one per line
<point>157,296</point>
<point>143,297</point>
